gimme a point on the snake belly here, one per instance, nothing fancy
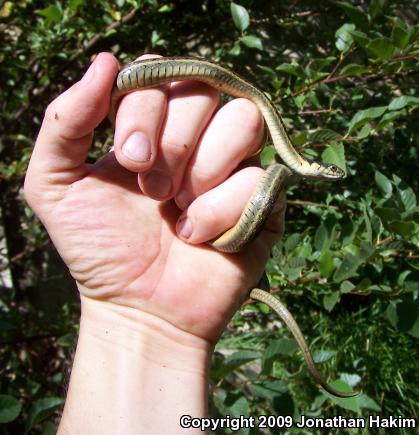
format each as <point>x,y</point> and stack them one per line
<point>147,73</point>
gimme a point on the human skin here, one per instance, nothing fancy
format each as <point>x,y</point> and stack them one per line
<point>154,298</point>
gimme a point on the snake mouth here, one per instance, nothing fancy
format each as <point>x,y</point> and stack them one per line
<point>324,171</point>
<point>333,172</point>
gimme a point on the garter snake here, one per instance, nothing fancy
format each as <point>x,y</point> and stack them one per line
<point>148,73</point>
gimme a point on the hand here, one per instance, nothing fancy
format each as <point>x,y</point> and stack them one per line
<point>119,243</point>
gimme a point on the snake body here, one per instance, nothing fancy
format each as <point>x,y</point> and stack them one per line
<point>148,73</point>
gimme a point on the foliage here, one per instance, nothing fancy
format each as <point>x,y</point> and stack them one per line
<point>343,74</point>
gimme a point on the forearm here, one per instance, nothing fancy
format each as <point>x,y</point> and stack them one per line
<point>133,373</point>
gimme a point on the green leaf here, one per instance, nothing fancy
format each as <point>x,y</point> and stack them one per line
<point>403,314</point>
<point>240,16</point>
<point>320,238</point>
<point>344,37</point>
<point>319,64</point>
<point>383,183</point>
<point>330,300</point>
<point>354,69</point>
<point>400,36</point>
<point>365,401</point>
<point>283,346</point>
<point>166,8</point>
<point>238,405</point>
<point>252,41</point>
<point>324,135</point>
<point>292,69</point>
<point>49,428</point>
<point>350,262</point>
<point>389,117</point>
<point>408,198</point>
<point>269,390</point>
<point>355,14</point>
<point>235,50</point>
<point>404,228</point>
<point>376,6</point>
<point>41,410</point>
<point>267,155</point>
<point>387,214</point>
<point>346,287</point>
<point>350,403</point>
<point>10,408</point>
<point>364,116</point>
<point>403,101</point>
<point>381,48</point>
<point>296,262</point>
<point>360,37</point>
<point>241,357</point>
<point>74,4</point>
<point>326,264</point>
<point>321,356</point>
<point>335,153</point>
<point>6,9</point>
<point>368,227</point>
<point>292,241</point>
<point>52,13</point>
<point>66,340</point>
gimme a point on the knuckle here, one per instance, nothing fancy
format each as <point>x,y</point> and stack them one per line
<point>174,148</point>
<point>209,214</point>
<point>252,116</point>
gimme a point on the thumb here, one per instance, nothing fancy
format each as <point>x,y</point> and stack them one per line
<point>66,132</point>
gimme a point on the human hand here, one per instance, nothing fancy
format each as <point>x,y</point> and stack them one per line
<point>119,243</point>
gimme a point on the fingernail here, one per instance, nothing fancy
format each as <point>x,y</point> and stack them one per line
<point>184,199</point>
<point>184,227</point>
<point>137,147</point>
<point>158,184</point>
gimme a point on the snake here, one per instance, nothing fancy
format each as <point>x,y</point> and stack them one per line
<point>147,73</point>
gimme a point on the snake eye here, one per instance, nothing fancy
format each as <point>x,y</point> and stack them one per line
<point>333,168</point>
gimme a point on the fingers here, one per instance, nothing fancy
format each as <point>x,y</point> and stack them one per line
<point>190,108</point>
<point>233,135</point>
<point>157,130</point>
<point>218,209</point>
<point>170,136</point>
<point>66,132</point>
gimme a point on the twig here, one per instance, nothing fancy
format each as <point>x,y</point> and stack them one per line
<point>22,255</point>
<point>317,204</point>
<point>314,112</point>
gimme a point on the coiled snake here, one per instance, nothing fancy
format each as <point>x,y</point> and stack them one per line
<point>154,72</point>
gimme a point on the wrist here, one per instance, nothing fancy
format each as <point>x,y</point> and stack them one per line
<point>134,371</point>
<point>144,335</point>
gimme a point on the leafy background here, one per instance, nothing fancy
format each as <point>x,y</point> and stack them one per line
<point>344,74</point>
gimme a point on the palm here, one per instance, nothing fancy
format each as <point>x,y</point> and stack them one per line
<point>121,245</point>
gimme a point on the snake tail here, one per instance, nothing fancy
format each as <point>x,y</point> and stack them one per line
<point>279,308</point>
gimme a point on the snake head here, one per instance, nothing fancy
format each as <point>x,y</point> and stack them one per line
<point>324,171</point>
<point>331,171</point>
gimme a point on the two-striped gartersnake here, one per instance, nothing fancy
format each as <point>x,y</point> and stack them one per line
<point>154,72</point>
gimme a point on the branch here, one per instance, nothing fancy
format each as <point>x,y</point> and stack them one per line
<point>372,76</point>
